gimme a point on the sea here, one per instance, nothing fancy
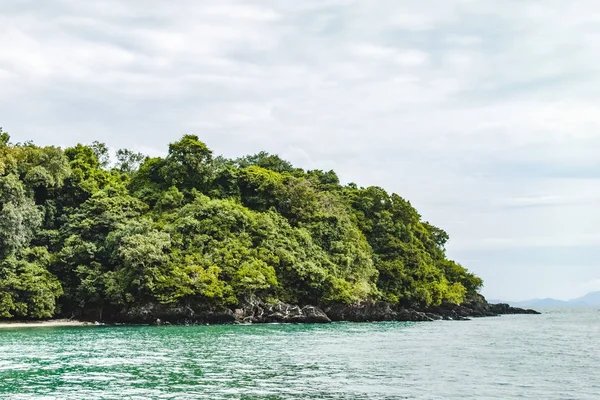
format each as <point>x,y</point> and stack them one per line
<point>555,355</point>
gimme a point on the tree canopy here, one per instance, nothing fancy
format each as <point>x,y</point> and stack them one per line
<point>79,231</point>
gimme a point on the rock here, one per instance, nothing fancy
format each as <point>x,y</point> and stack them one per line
<point>362,312</point>
<point>503,309</point>
<point>256,311</point>
<point>412,315</point>
<point>434,317</point>
<point>315,315</point>
<point>156,313</point>
<point>475,306</point>
<point>382,311</point>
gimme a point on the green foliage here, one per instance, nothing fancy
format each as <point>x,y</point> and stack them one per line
<point>4,138</point>
<point>190,229</point>
<point>19,216</point>
<point>267,161</point>
<point>102,153</point>
<point>128,161</point>
<point>141,257</point>
<point>260,188</point>
<point>409,254</point>
<point>188,164</point>
<point>27,288</point>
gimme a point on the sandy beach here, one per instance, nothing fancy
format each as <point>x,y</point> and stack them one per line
<point>41,324</point>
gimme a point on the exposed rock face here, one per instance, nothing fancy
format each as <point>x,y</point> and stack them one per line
<point>506,309</point>
<point>374,311</point>
<point>476,306</point>
<point>254,310</point>
<point>175,314</point>
<point>473,307</point>
<point>257,311</point>
<point>362,312</point>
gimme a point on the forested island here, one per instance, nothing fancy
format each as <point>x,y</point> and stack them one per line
<point>196,238</point>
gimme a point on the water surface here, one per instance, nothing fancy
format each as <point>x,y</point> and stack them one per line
<point>552,356</point>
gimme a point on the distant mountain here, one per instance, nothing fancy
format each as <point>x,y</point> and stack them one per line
<point>541,303</point>
<point>593,299</point>
<point>589,300</point>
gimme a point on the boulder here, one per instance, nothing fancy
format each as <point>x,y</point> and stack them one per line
<point>156,313</point>
<point>366,311</point>
<point>412,315</point>
<point>256,311</point>
<point>503,309</point>
<point>315,315</point>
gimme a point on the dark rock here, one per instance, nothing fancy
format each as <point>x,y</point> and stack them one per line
<point>476,306</point>
<point>375,312</point>
<point>315,315</point>
<point>503,309</point>
<point>434,317</point>
<point>362,312</point>
<point>412,315</point>
<point>176,314</point>
<point>256,311</point>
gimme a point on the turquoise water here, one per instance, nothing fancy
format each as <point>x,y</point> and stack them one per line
<point>552,356</point>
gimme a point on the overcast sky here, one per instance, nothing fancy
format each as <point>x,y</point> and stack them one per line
<point>484,114</point>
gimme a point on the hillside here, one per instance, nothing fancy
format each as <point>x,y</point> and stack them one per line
<point>84,235</point>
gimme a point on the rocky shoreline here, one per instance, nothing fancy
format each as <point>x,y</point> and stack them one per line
<point>256,311</point>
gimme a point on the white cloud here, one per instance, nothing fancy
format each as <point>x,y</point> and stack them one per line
<point>404,57</point>
<point>464,40</point>
<point>591,286</point>
<point>239,11</point>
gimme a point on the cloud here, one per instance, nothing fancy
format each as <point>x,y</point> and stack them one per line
<point>483,115</point>
<point>532,243</point>
<point>408,57</point>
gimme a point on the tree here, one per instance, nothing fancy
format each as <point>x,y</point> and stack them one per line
<point>4,138</point>
<point>102,153</point>
<point>188,165</point>
<point>27,289</point>
<point>144,268</point>
<point>19,216</point>
<point>267,161</point>
<point>191,230</point>
<point>129,161</point>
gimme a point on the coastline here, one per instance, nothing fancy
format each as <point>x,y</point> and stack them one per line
<point>52,323</point>
<point>255,311</point>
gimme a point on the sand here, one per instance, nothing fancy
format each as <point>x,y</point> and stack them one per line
<point>41,324</point>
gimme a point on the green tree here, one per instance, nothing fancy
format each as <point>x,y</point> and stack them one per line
<point>267,161</point>
<point>191,230</point>
<point>188,165</point>
<point>128,161</point>
<point>19,216</point>
<point>27,289</point>
<point>102,153</point>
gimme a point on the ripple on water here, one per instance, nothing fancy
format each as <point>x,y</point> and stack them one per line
<point>552,356</point>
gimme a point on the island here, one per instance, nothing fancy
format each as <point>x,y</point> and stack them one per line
<point>119,237</point>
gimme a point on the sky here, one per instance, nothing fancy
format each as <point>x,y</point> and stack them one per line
<point>484,114</point>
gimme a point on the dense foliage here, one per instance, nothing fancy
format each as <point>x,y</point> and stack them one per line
<point>81,231</point>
